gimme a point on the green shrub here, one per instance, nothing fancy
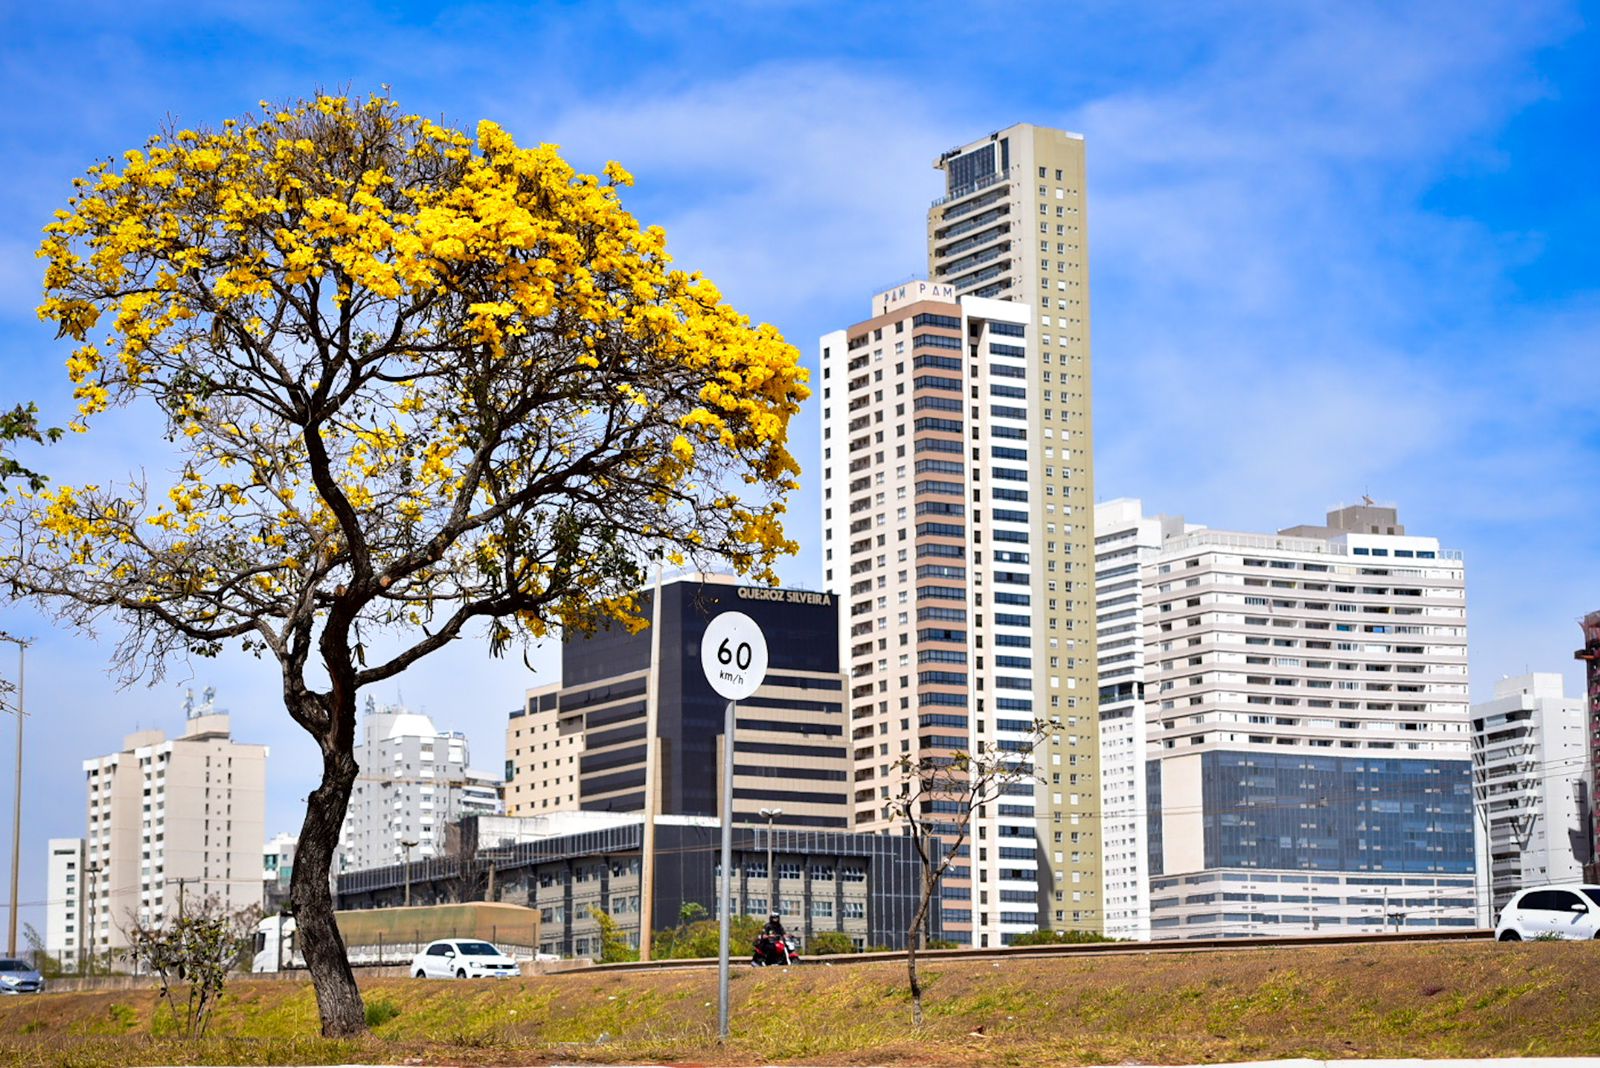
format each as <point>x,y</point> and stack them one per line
<point>827,942</point>
<point>1059,938</point>
<point>380,1011</point>
<point>699,939</point>
<point>614,948</point>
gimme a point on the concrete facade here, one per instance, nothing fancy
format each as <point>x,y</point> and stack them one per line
<point>67,889</point>
<point>1309,738</point>
<point>414,780</point>
<point>1125,540</point>
<point>1529,757</point>
<point>1012,224</point>
<point>541,762</point>
<point>960,611</point>
<point>170,820</point>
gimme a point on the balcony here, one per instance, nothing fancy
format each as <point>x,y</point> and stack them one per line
<point>984,275</point>
<point>1000,211</point>
<point>999,231</point>
<point>974,260</point>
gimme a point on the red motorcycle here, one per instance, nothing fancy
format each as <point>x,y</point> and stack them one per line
<point>770,949</point>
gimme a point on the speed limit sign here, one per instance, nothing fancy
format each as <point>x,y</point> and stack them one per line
<point>733,654</point>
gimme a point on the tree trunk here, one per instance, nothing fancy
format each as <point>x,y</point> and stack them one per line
<point>916,938</point>
<point>916,985</point>
<point>338,1000</point>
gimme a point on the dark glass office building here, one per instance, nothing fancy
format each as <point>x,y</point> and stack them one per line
<point>865,886</point>
<point>791,749</point>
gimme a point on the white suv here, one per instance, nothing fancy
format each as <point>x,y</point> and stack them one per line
<point>463,958</point>
<point>1568,911</point>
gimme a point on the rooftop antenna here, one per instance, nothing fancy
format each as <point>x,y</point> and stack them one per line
<point>1368,501</point>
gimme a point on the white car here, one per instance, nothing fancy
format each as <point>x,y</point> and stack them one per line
<point>463,958</point>
<point>1569,911</point>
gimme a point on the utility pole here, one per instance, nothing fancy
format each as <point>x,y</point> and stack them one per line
<point>182,881</point>
<point>408,846</point>
<point>16,803</point>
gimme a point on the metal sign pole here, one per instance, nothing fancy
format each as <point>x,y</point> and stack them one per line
<point>733,655</point>
<point>725,928</point>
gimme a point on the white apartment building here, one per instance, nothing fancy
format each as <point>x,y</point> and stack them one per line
<point>1309,763</point>
<point>956,625</point>
<point>1125,541</point>
<point>1529,761</point>
<point>414,780</point>
<point>170,820</point>
<point>67,886</point>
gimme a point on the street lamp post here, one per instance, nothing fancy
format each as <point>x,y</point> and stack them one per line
<point>408,846</point>
<point>770,814</point>
<point>16,804</point>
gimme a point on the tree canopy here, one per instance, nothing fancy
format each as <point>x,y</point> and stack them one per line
<point>413,379</point>
<point>21,423</point>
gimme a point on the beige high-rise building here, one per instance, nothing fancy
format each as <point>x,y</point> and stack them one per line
<point>1013,225</point>
<point>172,820</point>
<point>952,539</point>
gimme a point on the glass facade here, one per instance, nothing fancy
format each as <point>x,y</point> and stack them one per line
<point>1298,811</point>
<point>969,168</point>
<point>802,633</point>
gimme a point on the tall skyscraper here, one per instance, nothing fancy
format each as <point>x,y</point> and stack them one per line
<point>414,780</point>
<point>1012,224</point>
<point>1308,730</point>
<point>955,556</point>
<point>1530,765</point>
<point>171,820</point>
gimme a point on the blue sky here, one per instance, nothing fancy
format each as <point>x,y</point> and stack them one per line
<point>1334,250</point>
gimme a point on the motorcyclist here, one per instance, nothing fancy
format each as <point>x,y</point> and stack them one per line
<point>770,946</point>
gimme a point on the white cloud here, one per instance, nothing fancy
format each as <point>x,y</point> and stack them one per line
<point>1283,324</point>
<point>793,185</point>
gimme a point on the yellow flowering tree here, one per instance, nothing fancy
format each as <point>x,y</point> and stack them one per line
<point>418,382</point>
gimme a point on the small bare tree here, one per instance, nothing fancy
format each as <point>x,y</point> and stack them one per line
<point>192,956</point>
<point>938,795</point>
